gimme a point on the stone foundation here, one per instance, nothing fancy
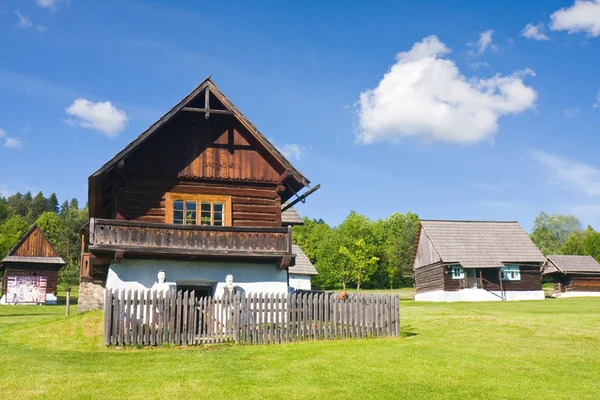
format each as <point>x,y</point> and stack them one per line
<point>91,296</point>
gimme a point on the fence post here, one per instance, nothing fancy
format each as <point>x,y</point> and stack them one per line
<point>107,315</point>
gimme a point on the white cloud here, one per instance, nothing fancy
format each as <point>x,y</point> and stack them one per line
<point>571,174</point>
<point>571,112</point>
<point>597,102</point>
<point>293,151</point>
<point>24,22</point>
<point>46,3</point>
<point>12,143</point>
<point>583,16</point>
<point>535,32</point>
<point>9,141</point>
<point>424,95</point>
<point>52,5</point>
<point>102,116</point>
<point>484,42</point>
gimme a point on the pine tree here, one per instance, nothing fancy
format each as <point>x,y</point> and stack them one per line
<point>37,208</point>
<point>52,205</point>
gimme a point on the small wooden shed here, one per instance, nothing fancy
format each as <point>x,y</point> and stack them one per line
<point>573,275</point>
<point>31,270</point>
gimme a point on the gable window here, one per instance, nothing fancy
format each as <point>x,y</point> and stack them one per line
<point>194,209</point>
<point>511,273</point>
<point>458,272</point>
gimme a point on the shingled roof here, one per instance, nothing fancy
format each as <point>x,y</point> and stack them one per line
<point>291,217</point>
<point>571,264</point>
<point>481,244</point>
<point>303,265</point>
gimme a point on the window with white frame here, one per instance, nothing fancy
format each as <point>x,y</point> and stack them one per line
<point>511,273</point>
<point>458,272</point>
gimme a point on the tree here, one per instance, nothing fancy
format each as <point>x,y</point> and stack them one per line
<point>551,231</point>
<point>50,224</point>
<point>10,232</point>
<point>37,207</point>
<point>52,204</point>
<point>4,210</point>
<point>18,204</point>
<point>362,261</point>
<point>400,242</point>
<point>584,243</point>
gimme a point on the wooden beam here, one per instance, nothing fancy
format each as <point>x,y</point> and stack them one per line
<point>118,256</point>
<point>209,111</point>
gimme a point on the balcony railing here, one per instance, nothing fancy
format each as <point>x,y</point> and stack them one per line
<point>154,239</point>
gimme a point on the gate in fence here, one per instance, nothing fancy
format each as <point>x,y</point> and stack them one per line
<point>150,318</point>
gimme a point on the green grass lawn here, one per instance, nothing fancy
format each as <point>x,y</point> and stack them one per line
<point>536,350</point>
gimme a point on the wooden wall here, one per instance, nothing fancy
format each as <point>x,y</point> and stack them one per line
<point>531,279</point>
<point>143,199</point>
<point>35,245</point>
<point>426,253</point>
<point>449,283</point>
<point>576,283</point>
<point>193,147</point>
<point>50,273</point>
<point>192,155</point>
<point>429,278</point>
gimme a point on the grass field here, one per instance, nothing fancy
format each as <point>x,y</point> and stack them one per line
<point>536,350</point>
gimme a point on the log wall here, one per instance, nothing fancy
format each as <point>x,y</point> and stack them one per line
<point>143,199</point>
<point>429,278</point>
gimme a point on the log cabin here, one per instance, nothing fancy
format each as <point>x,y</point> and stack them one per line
<point>199,195</point>
<point>476,261</point>
<point>31,270</point>
<point>573,276</point>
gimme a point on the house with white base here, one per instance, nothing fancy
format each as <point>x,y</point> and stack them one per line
<point>195,198</point>
<point>476,261</point>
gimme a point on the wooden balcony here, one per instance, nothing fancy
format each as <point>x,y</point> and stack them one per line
<point>119,239</point>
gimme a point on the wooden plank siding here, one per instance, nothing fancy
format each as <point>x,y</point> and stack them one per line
<point>144,199</point>
<point>429,278</point>
<point>576,283</point>
<point>34,245</point>
<point>425,252</point>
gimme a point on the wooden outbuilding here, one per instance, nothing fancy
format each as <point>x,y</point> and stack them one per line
<point>476,261</point>
<point>31,270</point>
<point>574,276</point>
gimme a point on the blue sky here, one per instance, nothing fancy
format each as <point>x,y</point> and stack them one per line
<point>461,115</point>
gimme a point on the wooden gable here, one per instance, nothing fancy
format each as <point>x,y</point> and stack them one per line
<point>203,140</point>
<point>34,244</point>
<point>191,146</point>
<point>426,253</point>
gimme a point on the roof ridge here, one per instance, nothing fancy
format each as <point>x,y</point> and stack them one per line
<point>468,220</point>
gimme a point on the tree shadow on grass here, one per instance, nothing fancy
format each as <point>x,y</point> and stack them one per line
<point>407,331</point>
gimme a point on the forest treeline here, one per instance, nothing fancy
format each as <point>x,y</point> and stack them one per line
<point>60,223</point>
<point>358,253</point>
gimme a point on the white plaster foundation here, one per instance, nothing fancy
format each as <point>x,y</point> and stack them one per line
<point>299,282</point>
<point>575,294</point>
<point>478,295</point>
<point>250,277</point>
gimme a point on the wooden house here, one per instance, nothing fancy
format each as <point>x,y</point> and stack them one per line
<point>198,196</point>
<point>574,276</point>
<point>476,261</point>
<point>31,270</point>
